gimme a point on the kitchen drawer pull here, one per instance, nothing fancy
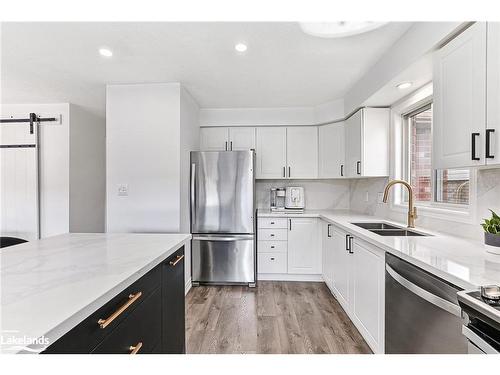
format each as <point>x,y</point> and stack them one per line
<point>173,263</point>
<point>272,222</point>
<point>103,323</point>
<point>358,167</point>
<point>272,235</point>
<point>272,246</point>
<point>341,170</point>
<point>135,349</point>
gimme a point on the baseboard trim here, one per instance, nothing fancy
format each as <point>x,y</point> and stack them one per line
<point>187,286</point>
<point>288,277</point>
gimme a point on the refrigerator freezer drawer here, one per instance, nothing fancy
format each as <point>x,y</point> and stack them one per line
<point>223,259</point>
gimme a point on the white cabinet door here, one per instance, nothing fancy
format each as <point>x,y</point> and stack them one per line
<point>368,292</point>
<point>241,139</point>
<point>327,252</point>
<point>214,139</point>
<point>304,251</point>
<point>353,134</point>
<point>271,152</point>
<point>341,267</point>
<point>492,141</point>
<point>331,151</point>
<point>302,151</point>
<point>459,119</point>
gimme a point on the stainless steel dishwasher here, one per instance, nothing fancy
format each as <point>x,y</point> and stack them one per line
<point>422,314</point>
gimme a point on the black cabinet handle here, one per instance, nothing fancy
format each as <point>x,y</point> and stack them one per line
<point>272,258</point>
<point>347,242</point>
<point>231,143</point>
<point>342,170</point>
<point>329,234</point>
<point>290,221</point>
<point>350,245</point>
<point>358,167</point>
<point>272,246</point>
<point>289,172</point>
<point>284,171</point>
<point>488,144</point>
<point>473,148</point>
<point>226,145</point>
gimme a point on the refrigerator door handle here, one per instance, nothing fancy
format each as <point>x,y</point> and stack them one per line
<point>238,237</point>
<point>193,192</point>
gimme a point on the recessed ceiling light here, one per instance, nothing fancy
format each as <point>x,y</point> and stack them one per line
<point>105,52</point>
<point>404,85</point>
<point>338,29</point>
<point>240,47</point>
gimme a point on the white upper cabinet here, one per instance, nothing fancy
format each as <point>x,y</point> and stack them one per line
<point>214,139</point>
<point>302,151</point>
<point>271,152</point>
<point>459,122</point>
<point>331,151</point>
<point>304,251</point>
<point>492,135</point>
<point>241,139</point>
<point>227,139</point>
<point>367,143</point>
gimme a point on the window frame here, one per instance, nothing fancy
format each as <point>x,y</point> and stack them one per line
<point>411,104</point>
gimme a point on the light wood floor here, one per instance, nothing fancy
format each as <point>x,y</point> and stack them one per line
<point>275,317</point>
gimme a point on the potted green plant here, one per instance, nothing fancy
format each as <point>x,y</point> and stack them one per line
<point>492,233</point>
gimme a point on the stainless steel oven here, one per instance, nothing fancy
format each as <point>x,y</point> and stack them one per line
<point>422,314</point>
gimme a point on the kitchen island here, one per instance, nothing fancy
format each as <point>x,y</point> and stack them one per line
<point>50,288</point>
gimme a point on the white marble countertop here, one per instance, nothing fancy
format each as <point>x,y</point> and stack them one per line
<point>49,286</point>
<point>459,261</point>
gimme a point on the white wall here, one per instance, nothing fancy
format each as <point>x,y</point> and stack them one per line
<point>189,141</point>
<point>143,151</point>
<point>87,173</point>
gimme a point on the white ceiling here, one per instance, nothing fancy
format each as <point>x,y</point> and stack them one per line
<point>47,62</point>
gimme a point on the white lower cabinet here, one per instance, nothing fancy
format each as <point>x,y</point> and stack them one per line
<point>289,249</point>
<point>327,253</point>
<point>304,252</point>
<point>358,285</point>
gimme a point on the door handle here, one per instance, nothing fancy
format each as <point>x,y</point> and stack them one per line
<point>473,146</point>
<point>178,258</point>
<point>424,294</point>
<point>226,145</point>
<point>231,143</point>
<point>290,223</point>
<point>350,245</point>
<point>284,171</point>
<point>328,230</point>
<point>347,243</point>
<point>341,170</point>
<point>358,167</point>
<point>488,144</point>
<point>289,172</point>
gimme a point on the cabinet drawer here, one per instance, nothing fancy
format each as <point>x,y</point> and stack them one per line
<point>142,326</point>
<point>269,222</point>
<point>272,246</point>
<point>86,335</point>
<point>272,234</point>
<point>272,263</point>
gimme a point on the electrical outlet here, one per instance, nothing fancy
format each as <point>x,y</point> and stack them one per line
<point>122,190</point>
<point>380,197</point>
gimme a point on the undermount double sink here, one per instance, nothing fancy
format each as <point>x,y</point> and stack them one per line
<point>384,229</point>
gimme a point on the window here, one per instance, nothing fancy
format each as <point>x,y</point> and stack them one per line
<point>449,186</point>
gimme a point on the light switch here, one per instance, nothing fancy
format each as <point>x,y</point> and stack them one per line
<point>122,190</point>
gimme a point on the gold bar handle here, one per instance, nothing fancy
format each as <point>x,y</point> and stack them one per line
<point>136,348</point>
<point>103,323</point>
<point>173,263</point>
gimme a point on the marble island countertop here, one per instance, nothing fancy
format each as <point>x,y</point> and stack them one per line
<point>460,261</point>
<point>48,286</point>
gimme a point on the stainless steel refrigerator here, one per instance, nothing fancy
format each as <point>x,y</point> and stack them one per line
<point>223,217</point>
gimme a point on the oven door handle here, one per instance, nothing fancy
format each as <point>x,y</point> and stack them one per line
<point>424,294</point>
<point>478,341</point>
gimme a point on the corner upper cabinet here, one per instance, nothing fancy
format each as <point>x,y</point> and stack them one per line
<point>331,151</point>
<point>271,152</point>
<point>492,135</point>
<point>367,143</point>
<point>459,119</point>
<point>214,139</point>
<point>302,152</point>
